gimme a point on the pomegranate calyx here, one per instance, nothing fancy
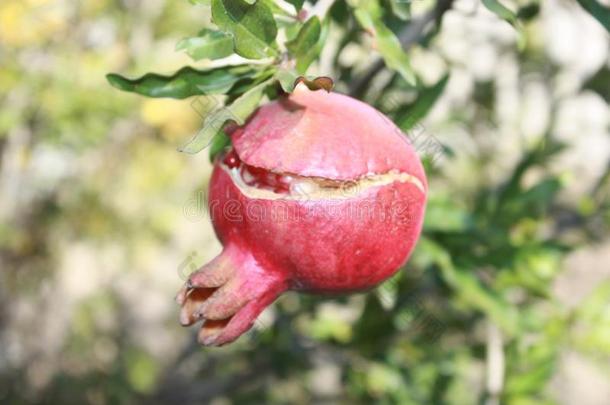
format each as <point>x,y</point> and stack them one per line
<point>228,294</point>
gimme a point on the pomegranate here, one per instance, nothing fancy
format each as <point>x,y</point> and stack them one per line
<point>319,193</point>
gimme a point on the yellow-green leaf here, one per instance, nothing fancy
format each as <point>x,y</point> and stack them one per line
<point>238,111</point>
<point>208,44</point>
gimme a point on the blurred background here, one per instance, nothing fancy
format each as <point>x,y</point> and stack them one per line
<point>506,299</point>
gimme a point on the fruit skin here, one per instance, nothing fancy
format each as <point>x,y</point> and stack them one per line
<point>327,135</point>
<point>349,241</point>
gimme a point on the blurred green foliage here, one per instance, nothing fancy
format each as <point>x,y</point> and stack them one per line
<point>92,194</point>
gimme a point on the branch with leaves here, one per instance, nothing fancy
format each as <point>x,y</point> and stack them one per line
<point>278,42</point>
<point>249,30</point>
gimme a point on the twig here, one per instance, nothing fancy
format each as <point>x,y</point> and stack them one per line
<point>495,364</point>
<point>410,35</point>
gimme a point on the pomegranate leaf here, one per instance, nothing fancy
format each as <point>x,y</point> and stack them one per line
<point>287,79</point>
<point>208,44</point>
<point>500,10</point>
<point>388,45</point>
<point>597,10</point>
<point>425,101</point>
<point>252,26</point>
<point>509,16</point>
<point>186,82</point>
<point>219,143</point>
<point>401,9</point>
<point>469,288</point>
<point>303,47</point>
<point>443,214</point>
<point>528,12</point>
<point>238,111</point>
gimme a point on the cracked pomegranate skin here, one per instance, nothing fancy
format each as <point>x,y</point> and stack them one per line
<point>321,193</point>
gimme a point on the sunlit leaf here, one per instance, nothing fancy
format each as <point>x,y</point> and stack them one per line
<point>533,267</point>
<point>532,381</point>
<point>593,314</point>
<point>316,49</point>
<point>303,47</point>
<point>219,142</point>
<point>238,112</point>
<point>142,370</point>
<point>208,44</point>
<point>252,26</point>
<point>444,215</point>
<point>287,79</point>
<point>388,44</point>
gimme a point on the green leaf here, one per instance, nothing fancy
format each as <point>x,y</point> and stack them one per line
<point>252,26</point>
<point>593,321</point>
<point>500,10</point>
<point>298,4</point>
<point>291,31</point>
<point>219,143</point>
<point>287,79</point>
<point>186,82</point>
<point>469,289</point>
<point>425,101</point>
<point>508,15</point>
<point>388,44</point>
<point>600,83</point>
<point>238,111</point>
<point>534,267</point>
<point>531,382</point>
<point>401,9</point>
<point>303,47</point>
<point>443,214</point>
<point>208,44</point>
<point>528,12</point>
<point>597,10</point>
<point>304,62</point>
<point>536,199</point>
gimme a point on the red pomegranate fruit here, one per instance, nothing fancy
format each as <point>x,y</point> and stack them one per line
<point>319,193</point>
